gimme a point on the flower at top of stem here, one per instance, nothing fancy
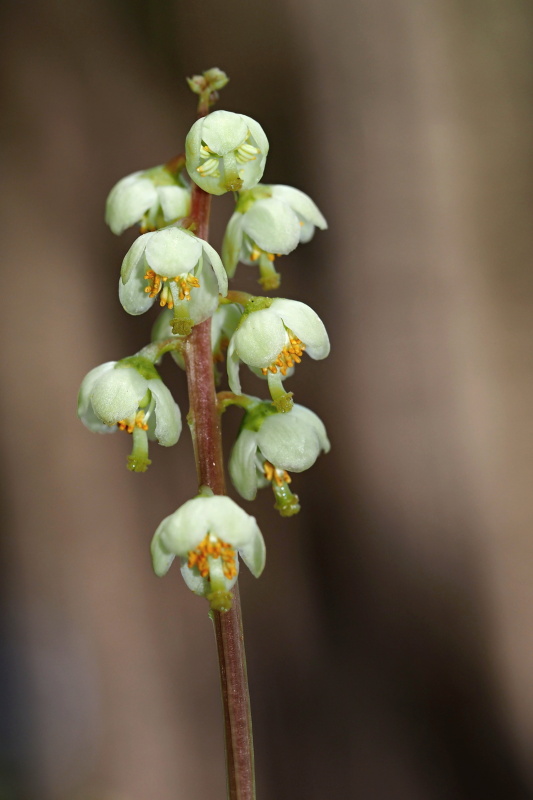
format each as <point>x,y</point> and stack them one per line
<point>271,339</point>
<point>129,395</point>
<point>226,152</point>
<point>270,445</point>
<point>183,271</point>
<point>152,198</point>
<point>269,221</point>
<point>206,533</point>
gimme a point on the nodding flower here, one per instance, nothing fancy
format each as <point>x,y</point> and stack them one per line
<point>152,198</point>
<point>130,396</point>
<point>184,272</point>
<point>269,221</point>
<point>226,152</point>
<point>270,446</point>
<point>207,533</point>
<point>271,339</point>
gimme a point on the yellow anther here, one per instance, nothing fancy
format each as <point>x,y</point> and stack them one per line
<point>287,358</point>
<point>184,283</point>
<point>254,255</point>
<point>279,476</point>
<point>137,421</point>
<point>211,547</point>
<point>270,256</point>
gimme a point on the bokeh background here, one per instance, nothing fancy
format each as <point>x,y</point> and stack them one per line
<point>390,640</point>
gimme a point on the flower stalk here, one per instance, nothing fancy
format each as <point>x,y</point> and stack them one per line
<point>204,421</point>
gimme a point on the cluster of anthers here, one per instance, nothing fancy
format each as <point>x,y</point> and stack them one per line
<point>212,547</point>
<point>272,473</point>
<point>156,285</point>
<point>287,357</point>
<point>243,154</point>
<point>138,421</point>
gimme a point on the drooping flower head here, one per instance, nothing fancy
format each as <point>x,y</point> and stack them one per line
<point>185,272</point>
<point>226,152</point>
<point>268,221</point>
<point>129,395</point>
<point>271,338</point>
<point>270,445</point>
<point>206,533</point>
<point>152,198</point>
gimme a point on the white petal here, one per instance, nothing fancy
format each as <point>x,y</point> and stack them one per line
<point>128,201</point>
<point>199,585</point>
<point>167,414</point>
<point>224,131</point>
<point>260,338</point>
<point>134,257</point>
<point>273,226</point>
<point>172,251</point>
<point>242,467</point>
<point>204,299</point>
<point>258,135</point>
<point>232,243</point>
<point>253,553</point>
<point>233,363</point>
<point>132,296</point>
<point>85,409</point>
<point>161,558</point>
<point>218,266</point>
<point>307,231</point>
<point>291,441</point>
<point>117,394</point>
<point>305,323</point>
<point>301,203</point>
<point>175,202</point>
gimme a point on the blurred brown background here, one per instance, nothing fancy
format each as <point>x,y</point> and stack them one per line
<point>390,642</point>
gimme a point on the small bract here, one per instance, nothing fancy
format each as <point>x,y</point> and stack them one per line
<point>151,198</point>
<point>270,445</point>
<point>269,221</point>
<point>129,395</point>
<point>226,152</point>
<point>206,533</point>
<point>271,339</point>
<point>183,270</point>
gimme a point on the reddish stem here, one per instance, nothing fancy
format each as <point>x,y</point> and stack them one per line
<point>205,428</point>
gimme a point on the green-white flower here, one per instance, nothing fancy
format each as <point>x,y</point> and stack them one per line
<point>183,270</point>
<point>270,445</point>
<point>206,533</point>
<point>271,339</point>
<point>129,395</point>
<point>151,198</point>
<point>226,152</point>
<point>269,221</point>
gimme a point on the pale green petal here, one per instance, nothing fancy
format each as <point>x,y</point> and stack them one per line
<point>134,258</point>
<point>132,296</point>
<point>85,409</point>
<point>161,558</point>
<point>224,323</point>
<point>171,252</point>
<point>117,394</point>
<point>242,467</point>
<point>260,337</point>
<point>233,363</point>
<point>218,267</point>
<point>258,136</point>
<point>128,201</point>
<point>292,441</point>
<point>253,553</point>
<point>301,203</point>
<point>175,202</point>
<point>307,231</point>
<point>305,323</point>
<point>201,586</point>
<point>167,414</point>
<point>204,299</point>
<point>224,131</point>
<point>232,243</point>
<point>272,226</point>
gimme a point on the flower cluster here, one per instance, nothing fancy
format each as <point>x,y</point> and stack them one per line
<point>170,265</point>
